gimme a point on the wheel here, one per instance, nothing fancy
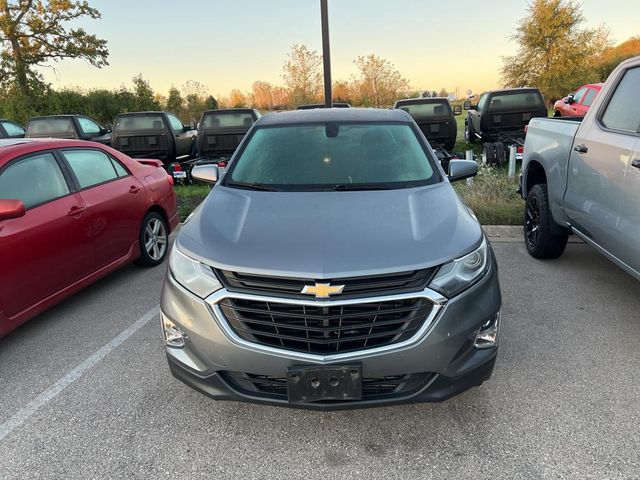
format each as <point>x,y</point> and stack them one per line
<point>557,113</point>
<point>469,134</point>
<point>154,240</point>
<point>489,153</point>
<point>500,153</point>
<point>540,242</point>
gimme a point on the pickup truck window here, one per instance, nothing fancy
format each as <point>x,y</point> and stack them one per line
<point>426,110</point>
<point>89,127</point>
<point>139,122</point>
<point>623,111</point>
<point>43,126</point>
<point>13,129</point>
<point>227,120</point>
<point>334,156</point>
<point>516,100</point>
<point>483,102</point>
<point>588,98</point>
<point>176,125</point>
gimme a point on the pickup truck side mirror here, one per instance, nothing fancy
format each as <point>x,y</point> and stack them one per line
<point>461,169</point>
<point>467,105</point>
<point>205,173</point>
<point>457,110</point>
<point>11,209</point>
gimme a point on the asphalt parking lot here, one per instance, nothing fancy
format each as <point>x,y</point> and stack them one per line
<point>86,393</point>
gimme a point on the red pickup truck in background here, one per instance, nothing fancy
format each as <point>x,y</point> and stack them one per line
<point>577,104</point>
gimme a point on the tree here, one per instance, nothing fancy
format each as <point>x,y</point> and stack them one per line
<point>196,95</point>
<point>211,103</point>
<point>443,93</point>
<point>175,102</point>
<point>612,56</point>
<point>262,95</point>
<point>556,53</point>
<point>379,83</point>
<point>341,91</point>
<point>143,95</point>
<point>237,99</point>
<point>303,75</point>
<point>35,32</point>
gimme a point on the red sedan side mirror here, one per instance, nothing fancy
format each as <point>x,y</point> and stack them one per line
<point>11,209</point>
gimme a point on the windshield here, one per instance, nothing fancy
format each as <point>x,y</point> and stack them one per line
<point>139,122</point>
<point>330,156</point>
<point>425,110</point>
<point>227,120</point>
<point>530,99</point>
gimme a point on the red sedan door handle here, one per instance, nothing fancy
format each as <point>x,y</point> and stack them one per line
<point>76,211</point>
<point>134,189</point>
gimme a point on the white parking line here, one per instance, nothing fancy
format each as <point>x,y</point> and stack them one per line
<point>50,393</point>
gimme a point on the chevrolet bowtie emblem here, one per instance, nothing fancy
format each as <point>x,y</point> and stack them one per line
<point>322,290</point>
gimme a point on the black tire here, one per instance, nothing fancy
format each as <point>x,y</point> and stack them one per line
<point>557,114</point>
<point>469,133</point>
<point>154,240</point>
<point>537,221</point>
<point>500,153</point>
<point>489,153</point>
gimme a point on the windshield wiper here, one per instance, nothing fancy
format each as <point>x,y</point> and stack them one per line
<point>252,186</point>
<point>362,186</point>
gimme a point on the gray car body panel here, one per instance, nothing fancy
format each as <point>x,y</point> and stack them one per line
<point>330,234</point>
<point>595,193</point>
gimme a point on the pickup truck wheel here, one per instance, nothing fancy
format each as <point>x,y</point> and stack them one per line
<point>489,153</point>
<point>540,242</point>
<point>154,240</point>
<point>469,135</point>
<point>500,153</point>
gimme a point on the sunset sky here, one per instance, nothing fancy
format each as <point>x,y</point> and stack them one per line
<point>227,44</point>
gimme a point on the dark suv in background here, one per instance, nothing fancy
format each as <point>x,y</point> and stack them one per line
<point>77,127</point>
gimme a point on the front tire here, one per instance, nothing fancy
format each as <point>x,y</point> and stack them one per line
<point>469,134</point>
<point>539,240</point>
<point>500,153</point>
<point>154,240</point>
<point>489,153</point>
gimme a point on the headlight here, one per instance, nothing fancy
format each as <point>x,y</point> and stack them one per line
<point>456,276</point>
<point>192,275</point>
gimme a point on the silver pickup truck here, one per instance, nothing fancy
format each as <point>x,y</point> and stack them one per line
<point>582,176</point>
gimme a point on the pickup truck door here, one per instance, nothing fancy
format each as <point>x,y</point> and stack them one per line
<point>602,181</point>
<point>183,137</point>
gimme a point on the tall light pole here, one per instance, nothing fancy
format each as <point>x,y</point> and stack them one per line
<point>326,55</point>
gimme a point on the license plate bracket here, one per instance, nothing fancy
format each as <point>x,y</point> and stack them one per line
<point>314,384</point>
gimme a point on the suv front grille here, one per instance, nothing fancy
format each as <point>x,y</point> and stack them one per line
<point>325,330</point>
<point>387,284</point>
<point>372,387</point>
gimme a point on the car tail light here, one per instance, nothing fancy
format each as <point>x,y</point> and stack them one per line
<point>520,149</point>
<point>170,180</point>
<point>177,167</point>
<point>222,164</point>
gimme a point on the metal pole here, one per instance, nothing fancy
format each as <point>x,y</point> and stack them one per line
<point>512,161</point>
<point>468,155</point>
<point>326,56</point>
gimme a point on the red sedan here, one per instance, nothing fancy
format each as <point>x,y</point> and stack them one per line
<point>70,213</point>
<point>577,104</point>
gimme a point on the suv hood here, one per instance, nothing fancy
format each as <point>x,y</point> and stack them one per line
<point>330,234</point>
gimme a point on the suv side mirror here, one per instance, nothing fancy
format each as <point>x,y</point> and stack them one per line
<point>205,173</point>
<point>569,99</point>
<point>461,169</point>
<point>457,110</point>
<point>11,209</point>
<point>467,105</point>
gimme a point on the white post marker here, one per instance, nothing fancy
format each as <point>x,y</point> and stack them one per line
<point>512,161</point>
<point>468,155</point>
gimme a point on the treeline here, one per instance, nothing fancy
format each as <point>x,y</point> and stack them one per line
<point>377,84</point>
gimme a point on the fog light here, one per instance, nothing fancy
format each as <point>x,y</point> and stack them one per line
<point>487,337</point>
<point>173,336</point>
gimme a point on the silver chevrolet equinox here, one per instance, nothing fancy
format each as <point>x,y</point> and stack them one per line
<point>332,266</point>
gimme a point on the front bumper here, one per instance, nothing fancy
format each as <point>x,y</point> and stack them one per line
<point>445,351</point>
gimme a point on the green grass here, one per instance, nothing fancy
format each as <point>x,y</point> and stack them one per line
<point>492,196</point>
